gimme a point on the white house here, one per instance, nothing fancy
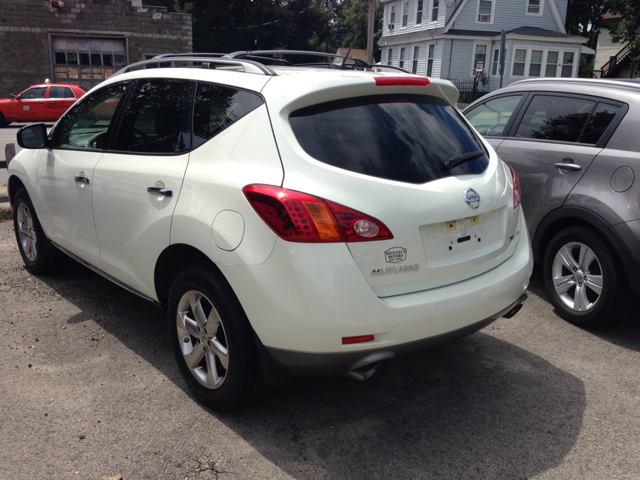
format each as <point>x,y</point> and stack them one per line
<point>452,38</point>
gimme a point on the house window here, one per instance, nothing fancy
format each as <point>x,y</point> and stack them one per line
<point>485,11</point>
<point>480,55</point>
<point>531,62</point>
<point>495,65</point>
<point>552,63</point>
<point>434,10</point>
<point>430,60</point>
<point>401,60</point>
<point>414,66</point>
<point>392,15</point>
<point>519,62</point>
<point>535,65</point>
<point>419,13</point>
<point>567,64</point>
<point>534,7</point>
<point>405,13</point>
<point>390,56</point>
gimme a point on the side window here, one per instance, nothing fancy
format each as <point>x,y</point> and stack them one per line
<point>598,123</point>
<point>218,107</point>
<point>33,93</point>
<point>491,117</point>
<point>61,92</point>
<point>157,118</point>
<point>555,118</point>
<point>87,123</point>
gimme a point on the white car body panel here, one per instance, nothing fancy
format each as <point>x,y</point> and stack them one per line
<point>243,154</point>
<point>134,225</point>
<point>68,204</point>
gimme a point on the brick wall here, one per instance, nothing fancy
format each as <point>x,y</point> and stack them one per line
<point>26,27</point>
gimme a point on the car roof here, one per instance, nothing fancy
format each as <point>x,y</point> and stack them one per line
<point>252,71</point>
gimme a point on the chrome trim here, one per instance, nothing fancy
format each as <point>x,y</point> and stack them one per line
<point>107,276</point>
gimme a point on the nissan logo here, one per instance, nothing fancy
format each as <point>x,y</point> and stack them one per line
<point>472,198</point>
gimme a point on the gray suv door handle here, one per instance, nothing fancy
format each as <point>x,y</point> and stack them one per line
<point>81,179</point>
<point>568,166</point>
<point>167,192</point>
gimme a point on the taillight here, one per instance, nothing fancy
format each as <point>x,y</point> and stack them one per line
<point>517,191</point>
<point>398,81</point>
<point>299,217</point>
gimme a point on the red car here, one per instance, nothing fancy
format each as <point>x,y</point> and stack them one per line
<point>39,103</point>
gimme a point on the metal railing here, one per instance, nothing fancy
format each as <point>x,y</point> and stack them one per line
<point>613,66</point>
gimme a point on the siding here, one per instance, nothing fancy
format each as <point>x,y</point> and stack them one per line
<point>411,23</point>
<point>509,14</point>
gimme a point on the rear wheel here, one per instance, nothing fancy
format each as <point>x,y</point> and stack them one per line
<point>212,340</point>
<point>582,277</point>
<point>37,252</point>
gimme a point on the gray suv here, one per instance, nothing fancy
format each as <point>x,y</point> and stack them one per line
<point>575,146</point>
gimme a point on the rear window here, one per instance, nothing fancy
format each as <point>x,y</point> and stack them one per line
<point>403,138</point>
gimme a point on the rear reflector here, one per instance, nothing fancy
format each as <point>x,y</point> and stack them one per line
<point>399,81</point>
<point>358,339</point>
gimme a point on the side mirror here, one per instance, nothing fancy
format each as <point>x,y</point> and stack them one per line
<point>13,95</point>
<point>33,136</point>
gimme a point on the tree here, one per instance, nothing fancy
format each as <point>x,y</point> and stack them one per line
<point>584,18</point>
<point>351,19</point>
<point>232,25</point>
<point>628,29</point>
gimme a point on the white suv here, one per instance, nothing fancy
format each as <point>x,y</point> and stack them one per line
<point>291,219</point>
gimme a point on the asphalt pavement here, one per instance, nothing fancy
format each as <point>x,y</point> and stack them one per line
<point>89,388</point>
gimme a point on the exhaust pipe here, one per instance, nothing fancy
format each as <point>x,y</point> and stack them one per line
<point>364,373</point>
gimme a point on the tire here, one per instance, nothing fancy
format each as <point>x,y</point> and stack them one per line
<point>220,362</point>
<point>38,253</point>
<point>582,278</point>
<point>3,122</point>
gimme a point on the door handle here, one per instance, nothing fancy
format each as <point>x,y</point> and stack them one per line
<point>81,179</point>
<point>568,166</point>
<point>167,192</point>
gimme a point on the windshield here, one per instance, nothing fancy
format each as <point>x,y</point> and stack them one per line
<point>406,138</point>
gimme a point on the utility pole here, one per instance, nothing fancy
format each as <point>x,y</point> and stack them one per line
<point>372,19</point>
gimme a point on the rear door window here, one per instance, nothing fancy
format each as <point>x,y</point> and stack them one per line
<point>556,118</point>
<point>157,118</point>
<point>406,138</point>
<point>61,92</point>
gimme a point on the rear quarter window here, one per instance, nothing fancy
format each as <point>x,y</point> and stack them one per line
<point>403,138</point>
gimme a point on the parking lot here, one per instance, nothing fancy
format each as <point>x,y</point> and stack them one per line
<point>89,388</point>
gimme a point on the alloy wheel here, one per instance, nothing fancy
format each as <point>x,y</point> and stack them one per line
<point>202,339</point>
<point>27,232</point>
<point>577,276</point>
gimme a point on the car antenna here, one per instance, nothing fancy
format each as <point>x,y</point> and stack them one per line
<point>342,67</point>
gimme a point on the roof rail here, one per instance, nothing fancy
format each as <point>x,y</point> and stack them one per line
<point>207,60</point>
<point>256,61</point>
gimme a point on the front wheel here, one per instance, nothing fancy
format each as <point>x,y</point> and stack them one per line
<point>582,277</point>
<point>38,254</point>
<point>3,122</point>
<point>212,340</point>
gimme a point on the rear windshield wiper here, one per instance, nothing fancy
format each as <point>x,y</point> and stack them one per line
<point>453,162</point>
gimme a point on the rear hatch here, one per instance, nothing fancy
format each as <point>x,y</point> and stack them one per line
<point>383,155</point>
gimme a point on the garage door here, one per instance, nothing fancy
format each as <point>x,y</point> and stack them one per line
<point>87,61</point>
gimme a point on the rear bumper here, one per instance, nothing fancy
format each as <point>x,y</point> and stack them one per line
<point>303,363</point>
<point>307,297</point>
